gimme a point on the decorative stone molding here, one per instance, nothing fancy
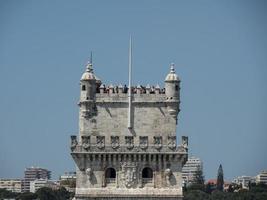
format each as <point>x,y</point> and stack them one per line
<point>74,142</point>
<point>129,141</point>
<point>185,141</point>
<point>157,142</point>
<point>86,142</point>
<point>143,142</point>
<point>129,174</point>
<point>168,173</point>
<point>100,142</point>
<point>89,172</point>
<point>115,142</point>
<point>172,142</point>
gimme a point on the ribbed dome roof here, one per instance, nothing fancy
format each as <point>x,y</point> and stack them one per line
<point>88,74</point>
<point>172,76</point>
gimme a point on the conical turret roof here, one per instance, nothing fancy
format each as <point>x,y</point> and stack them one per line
<point>172,76</point>
<point>88,74</point>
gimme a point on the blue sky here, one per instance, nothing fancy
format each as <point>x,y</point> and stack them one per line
<point>219,49</point>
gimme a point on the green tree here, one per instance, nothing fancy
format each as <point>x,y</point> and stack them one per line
<point>196,195</point>
<point>4,193</point>
<point>218,195</point>
<point>194,186</point>
<point>208,188</point>
<point>26,196</point>
<point>46,193</point>
<point>220,180</point>
<point>198,182</point>
<point>63,194</point>
<point>199,177</point>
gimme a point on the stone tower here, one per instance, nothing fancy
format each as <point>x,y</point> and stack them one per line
<point>115,161</point>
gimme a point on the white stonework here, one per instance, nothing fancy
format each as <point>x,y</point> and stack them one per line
<point>117,162</point>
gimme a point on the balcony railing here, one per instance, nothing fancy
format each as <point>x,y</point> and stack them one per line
<point>147,180</point>
<point>110,180</point>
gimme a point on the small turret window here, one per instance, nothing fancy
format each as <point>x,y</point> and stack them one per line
<point>176,87</point>
<point>83,88</point>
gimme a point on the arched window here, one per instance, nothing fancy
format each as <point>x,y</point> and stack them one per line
<point>110,173</point>
<point>147,173</point>
<point>176,87</point>
<point>83,88</point>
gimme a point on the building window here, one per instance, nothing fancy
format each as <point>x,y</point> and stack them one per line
<point>147,175</point>
<point>110,175</point>
<point>83,88</point>
<point>176,87</point>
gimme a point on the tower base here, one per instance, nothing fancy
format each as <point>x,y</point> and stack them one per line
<point>128,198</point>
<point>128,194</point>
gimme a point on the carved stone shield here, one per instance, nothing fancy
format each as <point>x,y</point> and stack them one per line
<point>143,142</point>
<point>129,174</point>
<point>158,142</point>
<point>172,142</point>
<point>115,143</point>
<point>129,141</point>
<point>86,142</point>
<point>74,142</point>
<point>100,141</point>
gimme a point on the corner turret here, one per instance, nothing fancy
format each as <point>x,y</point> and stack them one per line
<point>88,84</point>
<point>172,85</point>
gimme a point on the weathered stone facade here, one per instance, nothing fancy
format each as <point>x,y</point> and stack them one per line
<point>117,162</point>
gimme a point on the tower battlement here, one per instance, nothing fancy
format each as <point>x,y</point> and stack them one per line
<point>139,92</point>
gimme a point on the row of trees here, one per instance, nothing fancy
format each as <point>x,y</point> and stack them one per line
<point>44,193</point>
<point>257,192</point>
<point>199,191</point>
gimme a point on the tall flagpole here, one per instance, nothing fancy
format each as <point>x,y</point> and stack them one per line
<point>130,86</point>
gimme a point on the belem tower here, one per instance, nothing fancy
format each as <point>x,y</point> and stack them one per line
<point>126,147</point>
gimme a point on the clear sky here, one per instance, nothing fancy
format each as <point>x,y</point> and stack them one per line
<point>219,49</point>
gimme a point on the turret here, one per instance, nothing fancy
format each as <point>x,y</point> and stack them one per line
<point>172,85</point>
<point>88,84</point>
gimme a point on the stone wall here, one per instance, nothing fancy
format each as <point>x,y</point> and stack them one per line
<point>152,116</point>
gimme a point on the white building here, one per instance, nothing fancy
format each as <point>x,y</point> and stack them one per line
<point>190,168</point>
<point>13,185</point>
<point>68,176</point>
<point>39,183</point>
<point>262,177</point>
<point>68,181</point>
<point>33,173</point>
<point>244,181</point>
